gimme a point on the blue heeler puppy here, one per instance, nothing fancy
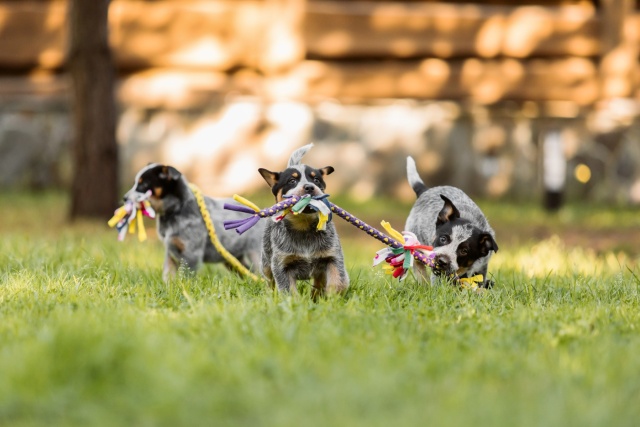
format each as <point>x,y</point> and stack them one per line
<point>181,227</point>
<point>292,248</point>
<point>447,219</point>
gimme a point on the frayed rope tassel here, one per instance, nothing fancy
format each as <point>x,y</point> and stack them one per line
<point>130,215</point>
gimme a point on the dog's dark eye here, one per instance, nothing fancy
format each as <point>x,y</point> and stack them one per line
<point>293,181</point>
<point>443,240</point>
<point>463,251</point>
<point>316,180</point>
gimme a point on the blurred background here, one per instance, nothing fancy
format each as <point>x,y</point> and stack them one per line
<point>530,100</point>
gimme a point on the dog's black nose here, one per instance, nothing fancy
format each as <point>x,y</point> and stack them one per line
<point>442,262</point>
<point>309,188</point>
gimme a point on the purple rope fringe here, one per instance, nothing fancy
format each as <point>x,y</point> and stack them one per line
<point>249,222</point>
<point>239,208</point>
<point>235,223</point>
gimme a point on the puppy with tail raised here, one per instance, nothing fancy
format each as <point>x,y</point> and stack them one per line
<point>447,219</point>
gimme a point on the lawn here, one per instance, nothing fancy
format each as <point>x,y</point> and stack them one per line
<point>90,335</point>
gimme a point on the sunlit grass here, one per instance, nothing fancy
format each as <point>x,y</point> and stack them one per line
<point>90,335</point>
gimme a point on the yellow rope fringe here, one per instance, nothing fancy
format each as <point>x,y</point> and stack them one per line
<point>471,282</point>
<point>246,202</point>
<point>214,238</point>
<point>142,233</point>
<point>117,216</point>
<point>392,232</point>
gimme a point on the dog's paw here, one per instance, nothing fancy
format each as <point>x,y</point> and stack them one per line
<point>488,284</point>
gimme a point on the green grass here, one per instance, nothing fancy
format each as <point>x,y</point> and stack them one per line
<point>90,335</point>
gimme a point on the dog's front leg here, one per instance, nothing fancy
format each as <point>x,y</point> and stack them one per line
<point>181,254</point>
<point>337,278</point>
<point>173,263</point>
<point>332,278</point>
<point>319,283</point>
<point>284,278</point>
<point>487,284</point>
<point>169,268</point>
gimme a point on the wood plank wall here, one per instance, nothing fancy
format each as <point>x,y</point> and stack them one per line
<point>485,51</point>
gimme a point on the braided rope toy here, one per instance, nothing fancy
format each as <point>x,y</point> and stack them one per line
<point>130,214</point>
<point>400,254</point>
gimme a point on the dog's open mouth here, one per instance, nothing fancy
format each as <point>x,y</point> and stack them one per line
<point>442,273</point>
<point>308,210</point>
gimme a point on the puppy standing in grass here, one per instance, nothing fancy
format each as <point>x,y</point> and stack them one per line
<point>181,227</point>
<point>447,219</point>
<point>292,248</point>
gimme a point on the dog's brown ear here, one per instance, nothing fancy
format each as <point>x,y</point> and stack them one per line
<point>327,170</point>
<point>270,177</point>
<point>487,243</point>
<point>448,212</point>
<point>169,173</point>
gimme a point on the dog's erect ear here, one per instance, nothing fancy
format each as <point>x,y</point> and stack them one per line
<point>327,170</point>
<point>270,177</point>
<point>448,213</point>
<point>169,173</point>
<point>487,243</point>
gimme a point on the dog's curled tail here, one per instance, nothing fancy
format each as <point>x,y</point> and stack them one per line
<point>414,179</point>
<point>296,156</point>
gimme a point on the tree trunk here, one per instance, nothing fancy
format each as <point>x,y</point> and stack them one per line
<point>95,152</point>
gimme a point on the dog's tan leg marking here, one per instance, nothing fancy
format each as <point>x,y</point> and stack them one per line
<point>178,244</point>
<point>293,285</point>
<point>266,271</point>
<point>335,282</point>
<point>319,284</point>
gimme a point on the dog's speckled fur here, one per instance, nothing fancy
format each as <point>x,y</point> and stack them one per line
<point>447,219</point>
<point>181,227</point>
<point>293,249</point>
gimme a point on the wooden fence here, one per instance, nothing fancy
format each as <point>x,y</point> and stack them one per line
<point>175,52</point>
<point>471,89</point>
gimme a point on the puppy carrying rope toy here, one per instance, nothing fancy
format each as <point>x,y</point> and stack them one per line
<point>399,257</point>
<point>137,205</point>
<point>127,216</point>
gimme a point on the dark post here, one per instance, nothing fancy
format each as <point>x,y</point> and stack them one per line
<point>94,190</point>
